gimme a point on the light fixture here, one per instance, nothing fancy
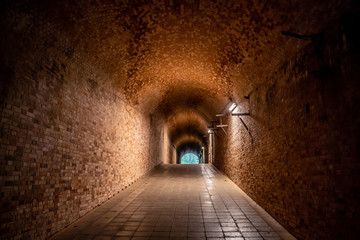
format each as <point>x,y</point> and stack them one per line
<point>232,107</point>
<point>210,131</point>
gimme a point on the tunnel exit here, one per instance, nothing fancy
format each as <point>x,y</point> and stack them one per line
<point>190,158</point>
<point>157,102</point>
<point>190,153</point>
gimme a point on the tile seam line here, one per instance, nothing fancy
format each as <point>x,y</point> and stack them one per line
<point>275,225</point>
<point>53,237</point>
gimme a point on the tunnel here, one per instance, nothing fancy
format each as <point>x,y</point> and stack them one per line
<point>104,101</point>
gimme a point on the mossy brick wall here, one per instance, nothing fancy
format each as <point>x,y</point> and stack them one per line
<point>303,165</point>
<point>67,142</point>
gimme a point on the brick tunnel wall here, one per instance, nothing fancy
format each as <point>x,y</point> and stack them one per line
<point>169,151</point>
<point>303,164</point>
<point>67,144</point>
<point>161,146</point>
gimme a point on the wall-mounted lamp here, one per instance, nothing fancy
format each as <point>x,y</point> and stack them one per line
<point>241,114</point>
<point>232,107</point>
<point>229,108</point>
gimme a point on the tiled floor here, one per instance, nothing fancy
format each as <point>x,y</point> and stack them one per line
<point>174,202</point>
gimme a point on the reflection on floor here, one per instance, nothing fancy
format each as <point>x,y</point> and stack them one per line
<point>176,202</point>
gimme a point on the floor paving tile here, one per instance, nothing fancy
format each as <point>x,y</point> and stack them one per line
<point>174,202</point>
<point>250,234</point>
<point>214,234</point>
<point>232,234</point>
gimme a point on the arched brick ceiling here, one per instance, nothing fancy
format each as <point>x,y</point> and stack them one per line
<point>175,54</point>
<point>187,139</point>
<point>187,122</point>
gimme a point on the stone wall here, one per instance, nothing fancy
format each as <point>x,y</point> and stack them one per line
<point>303,164</point>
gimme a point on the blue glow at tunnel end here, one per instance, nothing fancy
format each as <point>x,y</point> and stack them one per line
<point>189,158</point>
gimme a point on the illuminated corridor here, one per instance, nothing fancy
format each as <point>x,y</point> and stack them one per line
<point>95,95</point>
<point>177,202</point>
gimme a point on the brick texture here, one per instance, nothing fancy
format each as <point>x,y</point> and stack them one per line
<point>67,144</point>
<point>94,94</point>
<point>65,148</point>
<point>303,164</point>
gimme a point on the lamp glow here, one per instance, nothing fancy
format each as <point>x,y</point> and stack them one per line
<point>232,107</point>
